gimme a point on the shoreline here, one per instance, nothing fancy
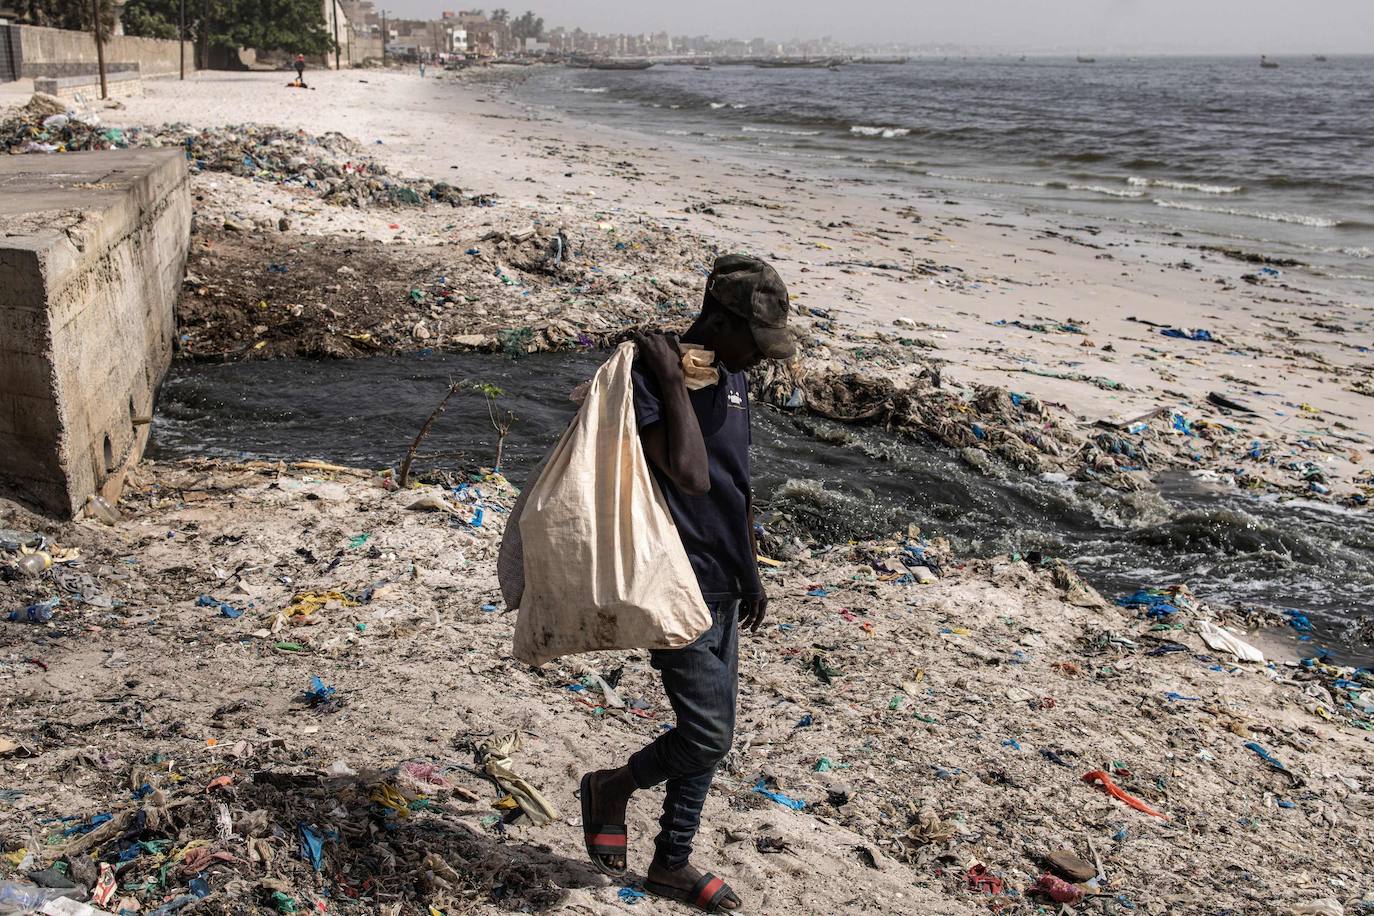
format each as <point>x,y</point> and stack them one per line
<point>962,715</point>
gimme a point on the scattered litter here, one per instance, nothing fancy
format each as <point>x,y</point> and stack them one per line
<point>762,788</point>
<point>1111,788</point>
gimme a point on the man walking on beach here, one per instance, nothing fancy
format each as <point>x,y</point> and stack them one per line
<point>697,445</point>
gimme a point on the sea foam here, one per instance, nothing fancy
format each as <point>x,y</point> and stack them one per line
<point>987,179</point>
<point>887,133</point>
<point>1111,192</point>
<point>1184,185</point>
<point>750,129</point>
<point>1299,219</point>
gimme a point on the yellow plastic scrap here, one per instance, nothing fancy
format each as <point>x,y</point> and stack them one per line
<point>307,603</point>
<point>15,858</point>
<point>506,803</point>
<point>388,796</point>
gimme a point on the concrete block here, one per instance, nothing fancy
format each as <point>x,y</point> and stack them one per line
<point>92,250</point>
<point>125,82</point>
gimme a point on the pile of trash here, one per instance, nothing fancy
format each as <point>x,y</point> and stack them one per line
<point>520,289</point>
<point>1016,428</point>
<point>1026,434</point>
<point>333,167</point>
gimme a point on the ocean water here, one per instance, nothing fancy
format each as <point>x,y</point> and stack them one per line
<point>1275,161</point>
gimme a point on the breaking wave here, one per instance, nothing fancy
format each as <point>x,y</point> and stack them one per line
<point>750,129</point>
<point>1185,185</point>
<point>984,179</point>
<point>1113,192</point>
<point>1300,219</point>
<point>590,90</point>
<point>887,133</point>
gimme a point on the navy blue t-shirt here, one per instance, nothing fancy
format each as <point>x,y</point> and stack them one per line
<point>715,526</point>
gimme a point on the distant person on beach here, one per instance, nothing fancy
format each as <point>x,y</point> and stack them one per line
<point>300,70</point>
<point>697,445</point>
<point>422,68</point>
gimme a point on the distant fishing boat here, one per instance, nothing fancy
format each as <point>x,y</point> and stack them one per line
<point>701,68</point>
<point>1268,64</point>
<point>1086,60</point>
<point>1320,58</point>
<point>621,64</point>
<point>879,60</point>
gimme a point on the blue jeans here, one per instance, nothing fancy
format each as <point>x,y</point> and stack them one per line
<point>701,681</point>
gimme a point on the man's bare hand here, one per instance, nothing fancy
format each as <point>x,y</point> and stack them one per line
<point>752,612</point>
<point>662,356</point>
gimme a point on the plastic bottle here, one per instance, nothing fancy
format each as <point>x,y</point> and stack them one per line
<point>99,508</point>
<point>21,896</point>
<point>35,613</point>
<point>34,564</point>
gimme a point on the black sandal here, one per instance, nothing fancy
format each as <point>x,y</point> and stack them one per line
<point>706,895</point>
<point>602,840</point>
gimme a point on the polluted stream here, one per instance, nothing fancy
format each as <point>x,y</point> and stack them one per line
<point>834,481</point>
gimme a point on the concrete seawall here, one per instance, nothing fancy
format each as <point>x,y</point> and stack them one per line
<point>92,250</point>
<point>56,52</point>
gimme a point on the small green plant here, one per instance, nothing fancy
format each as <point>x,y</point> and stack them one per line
<point>501,420</point>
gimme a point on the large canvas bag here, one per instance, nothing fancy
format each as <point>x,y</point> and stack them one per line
<point>604,565</point>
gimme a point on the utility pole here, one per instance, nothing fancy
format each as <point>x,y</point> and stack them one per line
<point>181,39</point>
<point>205,34</point>
<point>100,50</point>
<point>384,34</point>
<point>334,8</point>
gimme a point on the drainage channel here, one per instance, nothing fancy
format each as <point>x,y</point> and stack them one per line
<point>838,482</point>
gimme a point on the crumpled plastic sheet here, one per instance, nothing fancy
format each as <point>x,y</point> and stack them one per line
<point>494,757</point>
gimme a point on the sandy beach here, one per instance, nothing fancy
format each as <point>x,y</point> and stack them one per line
<point>936,735</point>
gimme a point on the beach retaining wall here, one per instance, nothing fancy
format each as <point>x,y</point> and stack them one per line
<point>92,250</point>
<point>61,52</point>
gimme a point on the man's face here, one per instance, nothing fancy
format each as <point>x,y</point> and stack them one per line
<point>735,348</point>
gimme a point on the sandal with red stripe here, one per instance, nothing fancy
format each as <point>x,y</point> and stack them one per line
<point>603,841</point>
<point>706,895</point>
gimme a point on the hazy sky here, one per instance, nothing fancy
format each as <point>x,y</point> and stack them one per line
<point>1241,26</point>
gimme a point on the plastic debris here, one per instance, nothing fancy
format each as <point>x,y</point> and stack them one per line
<point>312,845</point>
<point>761,787</point>
<point>318,694</point>
<point>1115,791</point>
<point>1200,334</point>
<point>980,879</point>
<point>1222,640</point>
<point>1057,889</point>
